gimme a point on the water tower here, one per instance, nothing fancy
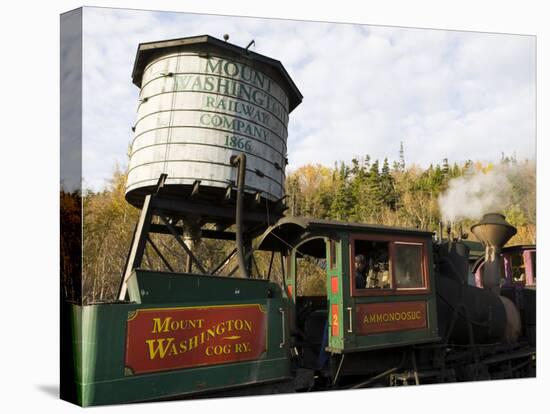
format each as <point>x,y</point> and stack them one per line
<point>209,148</point>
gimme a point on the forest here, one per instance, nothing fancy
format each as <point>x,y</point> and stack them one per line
<point>370,191</point>
<point>364,190</point>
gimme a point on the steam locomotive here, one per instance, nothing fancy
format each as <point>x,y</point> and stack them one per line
<point>424,324</point>
<point>196,334</point>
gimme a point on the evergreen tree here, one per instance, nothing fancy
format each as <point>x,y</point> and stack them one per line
<point>387,186</point>
<point>343,202</point>
<point>366,164</point>
<point>401,157</point>
<point>395,166</point>
<point>455,171</point>
<point>355,166</point>
<point>373,192</point>
<point>445,167</point>
<point>356,186</point>
<point>437,179</point>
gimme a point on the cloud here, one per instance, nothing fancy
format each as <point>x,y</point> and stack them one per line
<point>445,94</point>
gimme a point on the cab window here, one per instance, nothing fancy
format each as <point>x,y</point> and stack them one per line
<point>517,264</point>
<point>408,265</point>
<point>382,266</point>
<point>372,264</point>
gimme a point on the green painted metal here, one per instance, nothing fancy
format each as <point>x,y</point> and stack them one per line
<point>290,289</point>
<point>99,340</point>
<point>355,343</point>
<point>335,298</point>
<point>347,339</point>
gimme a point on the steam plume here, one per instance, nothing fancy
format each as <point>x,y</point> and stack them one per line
<point>478,192</point>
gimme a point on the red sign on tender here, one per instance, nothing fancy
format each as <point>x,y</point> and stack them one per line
<point>174,338</point>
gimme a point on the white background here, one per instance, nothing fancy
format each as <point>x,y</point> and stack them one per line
<point>29,151</point>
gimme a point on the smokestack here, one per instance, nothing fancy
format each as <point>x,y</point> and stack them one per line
<point>493,231</point>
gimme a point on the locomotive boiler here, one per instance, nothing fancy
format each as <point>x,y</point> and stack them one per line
<point>482,314</point>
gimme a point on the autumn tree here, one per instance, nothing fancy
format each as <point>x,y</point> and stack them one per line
<point>70,245</point>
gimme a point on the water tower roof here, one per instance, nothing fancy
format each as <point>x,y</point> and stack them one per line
<point>207,44</point>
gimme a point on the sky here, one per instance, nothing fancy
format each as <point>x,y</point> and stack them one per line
<point>444,94</point>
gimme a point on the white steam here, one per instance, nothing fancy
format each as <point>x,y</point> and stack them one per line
<point>477,193</point>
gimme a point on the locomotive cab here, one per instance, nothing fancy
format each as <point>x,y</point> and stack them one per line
<point>332,314</point>
<point>518,283</point>
<point>519,267</point>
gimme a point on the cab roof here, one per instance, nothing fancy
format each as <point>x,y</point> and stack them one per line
<point>283,234</point>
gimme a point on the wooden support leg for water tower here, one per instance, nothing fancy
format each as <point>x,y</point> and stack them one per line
<point>129,284</point>
<point>189,263</point>
<point>247,246</point>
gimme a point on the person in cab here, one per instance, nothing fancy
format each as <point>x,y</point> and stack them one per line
<point>360,268</point>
